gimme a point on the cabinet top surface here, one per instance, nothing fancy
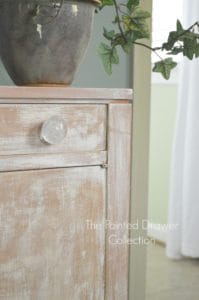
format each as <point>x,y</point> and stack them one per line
<point>65,93</point>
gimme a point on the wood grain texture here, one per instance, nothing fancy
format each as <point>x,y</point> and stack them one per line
<point>46,250</point>
<point>47,161</point>
<point>64,93</point>
<point>119,167</point>
<point>61,101</point>
<point>20,128</point>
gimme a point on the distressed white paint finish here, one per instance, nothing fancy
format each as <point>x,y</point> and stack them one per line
<point>46,161</point>
<point>39,30</point>
<point>61,101</point>
<point>44,254</point>
<point>119,167</point>
<point>20,127</point>
<point>54,93</point>
<point>47,251</point>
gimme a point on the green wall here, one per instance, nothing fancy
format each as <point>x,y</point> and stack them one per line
<point>91,72</point>
<point>4,78</point>
<point>163,115</point>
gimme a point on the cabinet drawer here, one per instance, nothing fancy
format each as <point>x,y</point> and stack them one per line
<point>20,128</point>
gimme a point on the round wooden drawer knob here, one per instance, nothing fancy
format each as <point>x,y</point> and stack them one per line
<point>53,130</point>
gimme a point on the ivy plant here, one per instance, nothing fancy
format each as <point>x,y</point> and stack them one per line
<point>131,28</point>
<point>130,25</point>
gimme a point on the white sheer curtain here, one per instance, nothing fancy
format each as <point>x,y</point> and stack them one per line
<point>184,196</point>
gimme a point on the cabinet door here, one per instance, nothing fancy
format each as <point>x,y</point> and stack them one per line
<point>48,248</point>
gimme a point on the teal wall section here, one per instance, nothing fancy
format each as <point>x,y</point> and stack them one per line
<point>91,72</point>
<point>163,116</point>
<point>4,78</point>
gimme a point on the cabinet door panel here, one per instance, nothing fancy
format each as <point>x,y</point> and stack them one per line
<point>47,249</point>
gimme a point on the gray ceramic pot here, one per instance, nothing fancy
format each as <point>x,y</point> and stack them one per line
<point>42,42</point>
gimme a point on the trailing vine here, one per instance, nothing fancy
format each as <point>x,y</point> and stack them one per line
<point>131,24</point>
<point>131,28</point>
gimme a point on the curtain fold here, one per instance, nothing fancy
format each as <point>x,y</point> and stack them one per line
<point>184,193</point>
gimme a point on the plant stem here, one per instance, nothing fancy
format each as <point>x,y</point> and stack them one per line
<point>188,29</point>
<point>159,48</point>
<point>146,46</point>
<point>149,48</point>
<point>117,10</point>
<point>118,19</point>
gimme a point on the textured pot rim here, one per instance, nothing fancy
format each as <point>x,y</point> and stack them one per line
<point>96,2</point>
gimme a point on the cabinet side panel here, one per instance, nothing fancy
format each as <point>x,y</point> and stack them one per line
<point>47,252</point>
<point>119,152</point>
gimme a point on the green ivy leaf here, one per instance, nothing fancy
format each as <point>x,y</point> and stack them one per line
<point>190,48</point>
<point>179,27</point>
<point>172,38</point>
<point>197,51</point>
<point>108,34</point>
<point>109,57</point>
<point>136,25</point>
<point>137,35</point>
<point>107,3</point>
<point>164,67</point>
<point>141,14</point>
<point>114,56</point>
<point>118,39</point>
<point>191,35</point>
<point>176,50</point>
<point>126,47</point>
<point>131,4</point>
<point>182,41</point>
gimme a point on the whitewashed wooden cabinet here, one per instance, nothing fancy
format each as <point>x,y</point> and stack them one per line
<point>61,201</point>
